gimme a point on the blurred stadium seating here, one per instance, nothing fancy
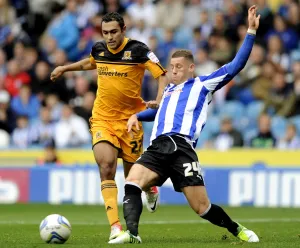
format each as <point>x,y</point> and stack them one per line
<point>33,42</point>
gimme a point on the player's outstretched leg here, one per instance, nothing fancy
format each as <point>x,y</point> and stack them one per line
<point>132,208</point>
<point>198,200</point>
<point>152,197</point>
<point>216,215</point>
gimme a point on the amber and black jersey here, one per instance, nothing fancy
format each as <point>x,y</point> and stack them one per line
<point>120,76</point>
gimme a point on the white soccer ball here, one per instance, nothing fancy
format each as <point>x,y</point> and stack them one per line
<point>55,229</point>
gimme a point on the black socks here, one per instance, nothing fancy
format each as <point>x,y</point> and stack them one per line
<point>217,216</point>
<point>132,207</point>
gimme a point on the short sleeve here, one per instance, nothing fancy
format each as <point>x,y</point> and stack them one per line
<point>151,62</point>
<point>92,60</point>
<point>92,55</point>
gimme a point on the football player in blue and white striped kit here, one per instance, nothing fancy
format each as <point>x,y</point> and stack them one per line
<point>178,122</point>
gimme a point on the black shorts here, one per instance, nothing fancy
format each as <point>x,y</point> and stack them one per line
<point>173,157</point>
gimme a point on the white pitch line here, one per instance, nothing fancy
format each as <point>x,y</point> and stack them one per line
<point>160,222</point>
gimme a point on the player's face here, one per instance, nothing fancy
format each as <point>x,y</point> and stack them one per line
<point>181,69</point>
<point>113,34</point>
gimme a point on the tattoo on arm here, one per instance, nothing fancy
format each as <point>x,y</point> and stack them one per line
<point>81,67</point>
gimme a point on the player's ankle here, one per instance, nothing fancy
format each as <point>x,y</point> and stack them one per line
<point>132,230</point>
<point>234,228</point>
<point>117,224</point>
<point>153,190</point>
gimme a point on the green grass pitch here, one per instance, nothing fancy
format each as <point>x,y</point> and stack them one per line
<point>170,226</point>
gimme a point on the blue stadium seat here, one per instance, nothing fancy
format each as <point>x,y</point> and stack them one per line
<point>243,124</point>
<point>183,36</point>
<point>278,126</point>
<point>254,109</point>
<point>233,109</point>
<point>296,121</point>
<point>204,137</point>
<point>212,125</point>
<point>236,111</point>
<point>295,54</point>
<point>248,135</point>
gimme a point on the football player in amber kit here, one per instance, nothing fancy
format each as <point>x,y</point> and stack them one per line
<point>121,64</point>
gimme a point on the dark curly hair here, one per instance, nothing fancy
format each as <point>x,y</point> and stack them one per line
<point>114,16</point>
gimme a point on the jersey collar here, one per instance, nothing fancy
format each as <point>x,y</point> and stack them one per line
<point>120,48</point>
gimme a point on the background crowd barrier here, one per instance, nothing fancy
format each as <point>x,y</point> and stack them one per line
<point>234,178</point>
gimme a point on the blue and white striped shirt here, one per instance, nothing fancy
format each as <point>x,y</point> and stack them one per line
<point>183,109</point>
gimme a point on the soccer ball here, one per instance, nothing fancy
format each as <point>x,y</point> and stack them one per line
<point>55,229</point>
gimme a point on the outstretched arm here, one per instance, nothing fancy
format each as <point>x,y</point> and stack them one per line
<point>241,58</point>
<point>82,65</point>
<point>146,115</point>
<point>222,76</point>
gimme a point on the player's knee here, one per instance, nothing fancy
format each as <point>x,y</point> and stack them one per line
<point>132,179</point>
<point>107,169</point>
<point>107,172</point>
<point>202,206</point>
<point>135,179</point>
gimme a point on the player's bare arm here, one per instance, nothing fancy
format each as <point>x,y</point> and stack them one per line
<point>82,65</point>
<point>163,81</point>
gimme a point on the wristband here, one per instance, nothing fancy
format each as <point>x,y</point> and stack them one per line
<point>251,31</point>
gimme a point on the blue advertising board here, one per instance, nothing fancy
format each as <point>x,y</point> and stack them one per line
<point>235,186</point>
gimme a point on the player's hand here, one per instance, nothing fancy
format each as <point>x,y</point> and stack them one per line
<point>57,72</point>
<point>152,104</point>
<point>133,121</point>
<point>252,18</point>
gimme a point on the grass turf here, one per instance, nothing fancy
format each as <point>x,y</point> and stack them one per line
<point>170,226</point>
